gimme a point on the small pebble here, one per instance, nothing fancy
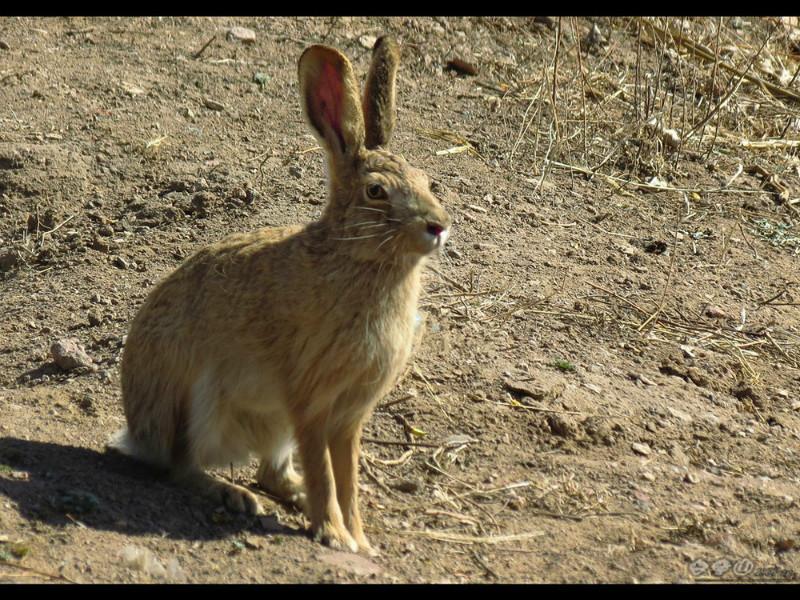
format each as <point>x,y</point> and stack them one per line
<point>679,414</point>
<point>132,557</point>
<point>593,388</point>
<point>121,263</point>
<point>562,426</point>
<point>69,354</point>
<point>8,260</point>
<point>175,573</point>
<point>715,312</point>
<point>642,449</point>
<point>645,380</point>
<point>478,396</point>
<point>213,104</point>
<point>367,41</point>
<point>678,455</point>
<point>78,502</point>
<point>406,486</point>
<point>516,503</point>
<point>4,45</point>
<point>462,67</point>
<point>691,478</point>
<point>141,559</point>
<point>242,34</point>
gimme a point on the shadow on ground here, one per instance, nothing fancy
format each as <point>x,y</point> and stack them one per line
<point>58,484</point>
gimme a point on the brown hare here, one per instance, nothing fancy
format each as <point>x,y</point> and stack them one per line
<point>287,337</point>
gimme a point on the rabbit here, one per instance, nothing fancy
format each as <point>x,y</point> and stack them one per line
<point>286,338</point>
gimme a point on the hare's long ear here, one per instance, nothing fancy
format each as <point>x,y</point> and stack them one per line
<point>379,95</point>
<point>329,95</point>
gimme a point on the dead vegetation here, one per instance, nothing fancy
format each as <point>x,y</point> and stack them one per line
<point>717,95</point>
<point>607,388</point>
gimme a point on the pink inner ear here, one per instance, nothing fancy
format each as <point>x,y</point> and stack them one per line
<point>328,98</point>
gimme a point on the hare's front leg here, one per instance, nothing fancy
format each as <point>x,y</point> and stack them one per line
<point>345,448</point>
<point>323,509</point>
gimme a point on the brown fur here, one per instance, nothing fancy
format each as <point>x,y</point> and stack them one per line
<point>290,334</point>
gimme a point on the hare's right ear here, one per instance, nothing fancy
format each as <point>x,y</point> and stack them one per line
<point>329,95</point>
<point>379,96</point>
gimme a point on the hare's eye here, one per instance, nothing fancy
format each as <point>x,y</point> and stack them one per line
<point>376,192</point>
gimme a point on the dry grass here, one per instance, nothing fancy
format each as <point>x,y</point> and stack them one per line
<point>719,93</point>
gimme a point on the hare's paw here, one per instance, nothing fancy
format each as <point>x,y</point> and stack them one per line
<point>364,547</point>
<point>232,496</point>
<point>335,537</point>
<point>298,499</point>
<point>239,499</point>
<point>285,485</point>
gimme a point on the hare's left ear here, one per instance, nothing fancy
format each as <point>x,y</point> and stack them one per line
<point>329,95</point>
<point>379,94</point>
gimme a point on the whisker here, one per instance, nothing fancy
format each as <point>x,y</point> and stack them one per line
<point>367,224</point>
<point>376,225</point>
<point>358,237</point>
<point>393,245</point>
<point>383,212</point>
<point>384,241</point>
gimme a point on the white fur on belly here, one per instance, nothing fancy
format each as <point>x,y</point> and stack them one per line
<point>237,414</point>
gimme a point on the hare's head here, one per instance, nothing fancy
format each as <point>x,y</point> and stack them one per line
<point>380,206</point>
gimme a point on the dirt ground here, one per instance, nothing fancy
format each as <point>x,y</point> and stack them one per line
<point>608,389</point>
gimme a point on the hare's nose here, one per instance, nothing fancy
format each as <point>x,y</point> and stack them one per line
<point>438,232</point>
<point>435,229</point>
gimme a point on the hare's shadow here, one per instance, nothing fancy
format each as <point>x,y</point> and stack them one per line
<point>58,484</point>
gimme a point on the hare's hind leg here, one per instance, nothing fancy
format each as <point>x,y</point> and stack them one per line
<point>232,496</point>
<point>276,473</point>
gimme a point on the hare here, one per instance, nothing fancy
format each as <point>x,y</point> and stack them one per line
<point>286,338</point>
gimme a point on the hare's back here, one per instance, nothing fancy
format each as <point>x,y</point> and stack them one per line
<point>201,305</point>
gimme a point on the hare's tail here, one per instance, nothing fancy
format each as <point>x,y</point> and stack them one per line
<point>124,443</point>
